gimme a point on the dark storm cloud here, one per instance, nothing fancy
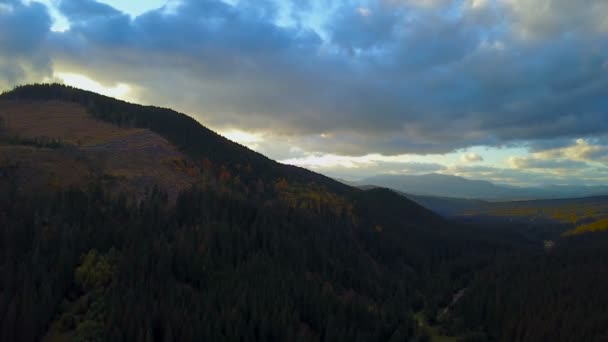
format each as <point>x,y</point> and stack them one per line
<point>364,28</point>
<point>23,32</point>
<point>390,76</point>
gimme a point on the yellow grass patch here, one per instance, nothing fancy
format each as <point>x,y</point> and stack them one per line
<point>569,214</point>
<point>597,226</point>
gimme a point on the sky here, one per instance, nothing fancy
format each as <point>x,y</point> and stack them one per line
<point>510,91</point>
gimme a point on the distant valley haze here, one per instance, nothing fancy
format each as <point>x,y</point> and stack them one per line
<point>440,185</point>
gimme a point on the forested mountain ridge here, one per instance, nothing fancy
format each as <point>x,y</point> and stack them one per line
<point>121,222</point>
<point>204,149</point>
<point>129,223</point>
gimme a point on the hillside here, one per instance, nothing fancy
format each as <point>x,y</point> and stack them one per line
<point>46,141</point>
<point>121,222</point>
<point>182,131</point>
<point>131,202</point>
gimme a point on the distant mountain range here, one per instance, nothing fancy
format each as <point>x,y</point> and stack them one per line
<point>440,185</point>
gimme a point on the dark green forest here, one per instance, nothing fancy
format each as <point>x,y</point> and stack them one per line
<point>215,266</point>
<point>262,251</point>
<point>555,296</point>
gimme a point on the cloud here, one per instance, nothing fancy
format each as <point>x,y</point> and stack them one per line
<point>23,32</point>
<point>528,163</point>
<point>581,150</point>
<point>541,18</point>
<point>86,10</point>
<point>532,177</point>
<point>496,174</point>
<point>389,77</point>
<point>364,166</point>
<point>471,157</point>
<point>574,156</point>
<point>580,161</point>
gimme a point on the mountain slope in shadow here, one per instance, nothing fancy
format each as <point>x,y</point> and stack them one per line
<point>125,222</point>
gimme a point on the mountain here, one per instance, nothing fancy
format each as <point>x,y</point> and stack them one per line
<point>121,222</point>
<point>183,132</point>
<point>439,185</point>
<point>443,186</point>
<point>125,222</point>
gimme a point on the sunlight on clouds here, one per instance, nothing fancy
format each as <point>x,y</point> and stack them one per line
<point>250,140</point>
<point>323,161</point>
<point>558,158</point>
<point>471,157</point>
<point>582,150</point>
<point>477,162</point>
<point>119,90</point>
<point>581,159</point>
<point>60,23</point>
<point>357,168</point>
<point>329,161</point>
<point>241,136</point>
